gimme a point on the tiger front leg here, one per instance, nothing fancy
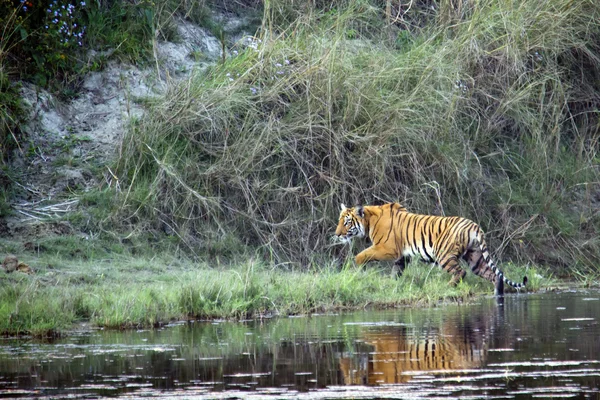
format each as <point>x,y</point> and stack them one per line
<point>373,254</point>
<point>398,267</point>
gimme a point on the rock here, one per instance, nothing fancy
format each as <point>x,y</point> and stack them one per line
<point>24,268</point>
<point>10,263</point>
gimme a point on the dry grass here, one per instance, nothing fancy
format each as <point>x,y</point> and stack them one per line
<point>487,110</point>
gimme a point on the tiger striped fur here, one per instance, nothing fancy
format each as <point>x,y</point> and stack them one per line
<point>396,233</point>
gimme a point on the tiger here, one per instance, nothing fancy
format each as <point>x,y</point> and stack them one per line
<point>396,233</point>
<point>392,355</point>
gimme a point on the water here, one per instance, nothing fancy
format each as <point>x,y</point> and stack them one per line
<point>533,346</point>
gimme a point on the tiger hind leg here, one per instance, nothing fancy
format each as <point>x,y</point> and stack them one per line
<point>449,263</point>
<point>476,261</point>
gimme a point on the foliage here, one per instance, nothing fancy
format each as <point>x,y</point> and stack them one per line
<point>12,111</point>
<point>473,109</point>
<point>43,38</point>
<point>12,114</point>
<point>47,40</point>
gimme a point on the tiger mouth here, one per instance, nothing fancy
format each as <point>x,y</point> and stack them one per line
<point>344,238</point>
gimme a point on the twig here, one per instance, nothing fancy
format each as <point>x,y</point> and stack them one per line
<point>29,215</point>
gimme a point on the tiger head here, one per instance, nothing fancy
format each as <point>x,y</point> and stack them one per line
<point>351,223</point>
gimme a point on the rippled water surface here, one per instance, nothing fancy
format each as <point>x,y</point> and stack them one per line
<point>532,346</point>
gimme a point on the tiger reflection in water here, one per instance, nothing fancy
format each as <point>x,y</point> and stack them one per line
<point>391,355</point>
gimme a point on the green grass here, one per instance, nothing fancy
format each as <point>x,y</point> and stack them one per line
<point>111,288</point>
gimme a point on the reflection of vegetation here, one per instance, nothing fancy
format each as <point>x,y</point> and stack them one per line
<point>203,350</point>
<point>363,347</point>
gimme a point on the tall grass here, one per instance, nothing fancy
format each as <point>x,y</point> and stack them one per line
<point>12,110</point>
<point>486,110</point>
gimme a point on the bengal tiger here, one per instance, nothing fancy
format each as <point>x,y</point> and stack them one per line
<point>396,233</point>
<point>391,356</point>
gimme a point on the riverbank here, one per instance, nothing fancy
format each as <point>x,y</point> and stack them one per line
<point>112,288</point>
<point>232,137</point>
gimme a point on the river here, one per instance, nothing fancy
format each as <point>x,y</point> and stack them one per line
<point>526,346</point>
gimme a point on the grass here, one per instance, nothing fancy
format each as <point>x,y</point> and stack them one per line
<point>469,112</point>
<point>114,289</point>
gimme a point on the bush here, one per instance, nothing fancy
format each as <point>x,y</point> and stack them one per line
<point>48,41</point>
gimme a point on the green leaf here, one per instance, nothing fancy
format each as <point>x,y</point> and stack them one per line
<point>149,16</point>
<point>40,79</point>
<point>39,59</point>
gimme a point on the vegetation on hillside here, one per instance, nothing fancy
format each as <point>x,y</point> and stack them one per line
<point>54,43</point>
<point>485,109</point>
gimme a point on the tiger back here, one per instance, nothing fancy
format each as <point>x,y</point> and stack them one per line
<point>396,233</point>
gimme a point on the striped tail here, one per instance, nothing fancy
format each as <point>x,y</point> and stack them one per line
<point>501,278</point>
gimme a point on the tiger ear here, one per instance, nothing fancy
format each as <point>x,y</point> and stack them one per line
<point>342,207</point>
<point>360,211</point>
